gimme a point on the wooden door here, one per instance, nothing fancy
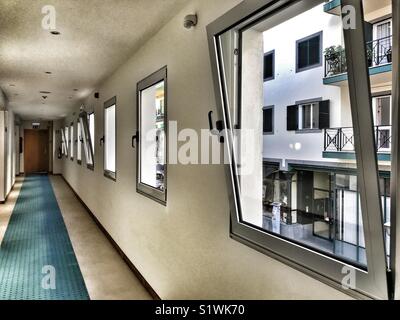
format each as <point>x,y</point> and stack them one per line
<point>36,151</point>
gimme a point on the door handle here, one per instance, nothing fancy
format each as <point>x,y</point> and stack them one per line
<point>102,141</point>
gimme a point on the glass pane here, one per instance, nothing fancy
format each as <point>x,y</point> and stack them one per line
<point>79,144</point>
<point>72,141</point>
<point>109,123</point>
<point>67,138</point>
<point>152,138</point>
<point>301,186</point>
<point>91,129</point>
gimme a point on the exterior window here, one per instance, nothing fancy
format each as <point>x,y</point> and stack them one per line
<point>289,197</point>
<point>79,143</point>
<point>269,66</point>
<point>309,52</point>
<point>309,116</point>
<point>268,120</point>
<point>110,138</point>
<point>87,139</point>
<point>71,129</point>
<point>152,153</point>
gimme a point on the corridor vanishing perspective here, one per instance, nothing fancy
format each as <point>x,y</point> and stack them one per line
<point>37,261</point>
<point>199,149</point>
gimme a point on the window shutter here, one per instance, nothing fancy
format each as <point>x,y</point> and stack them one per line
<point>324,114</point>
<point>292,118</point>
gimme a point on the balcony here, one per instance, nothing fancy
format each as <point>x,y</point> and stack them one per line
<point>379,55</point>
<point>339,143</point>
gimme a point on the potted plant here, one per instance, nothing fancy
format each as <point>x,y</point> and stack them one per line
<point>370,56</point>
<point>335,58</point>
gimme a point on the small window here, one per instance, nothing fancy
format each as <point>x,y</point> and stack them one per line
<point>63,143</point>
<point>87,139</point>
<point>67,140</point>
<point>92,128</point>
<point>152,119</point>
<point>268,120</point>
<point>71,129</point>
<point>110,139</point>
<point>269,66</point>
<point>308,116</point>
<point>309,52</point>
<point>79,143</point>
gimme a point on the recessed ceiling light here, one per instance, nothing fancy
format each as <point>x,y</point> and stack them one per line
<point>55,33</point>
<point>45,92</point>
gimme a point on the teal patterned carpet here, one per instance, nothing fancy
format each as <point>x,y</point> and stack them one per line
<point>37,261</point>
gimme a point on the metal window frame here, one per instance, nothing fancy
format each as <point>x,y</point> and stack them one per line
<point>272,52</point>
<point>86,137</point>
<point>67,138</point>
<point>63,141</point>
<point>71,135</point>
<point>373,282</point>
<point>141,188</point>
<point>79,141</point>
<point>272,132</point>
<point>319,34</point>
<point>108,173</point>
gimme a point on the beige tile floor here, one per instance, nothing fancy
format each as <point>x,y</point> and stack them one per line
<point>7,208</point>
<point>106,275</point>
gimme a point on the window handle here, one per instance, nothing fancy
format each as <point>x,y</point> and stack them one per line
<point>135,138</point>
<point>219,127</point>
<point>101,141</point>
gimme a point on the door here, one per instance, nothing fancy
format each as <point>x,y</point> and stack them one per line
<point>36,156</point>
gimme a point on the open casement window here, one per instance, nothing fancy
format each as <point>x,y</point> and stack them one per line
<point>86,139</point>
<point>151,136</point>
<point>63,143</point>
<point>67,141</point>
<point>109,139</point>
<point>288,199</point>
<point>79,141</point>
<point>72,141</point>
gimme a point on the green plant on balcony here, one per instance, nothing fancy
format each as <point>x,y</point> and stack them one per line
<point>335,58</point>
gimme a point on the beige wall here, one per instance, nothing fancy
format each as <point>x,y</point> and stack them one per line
<point>183,250</point>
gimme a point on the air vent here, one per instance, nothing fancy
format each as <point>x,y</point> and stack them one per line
<point>45,92</point>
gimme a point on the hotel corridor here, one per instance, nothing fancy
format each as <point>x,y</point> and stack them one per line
<point>49,228</point>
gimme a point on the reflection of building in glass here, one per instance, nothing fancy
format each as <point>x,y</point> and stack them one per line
<point>309,169</point>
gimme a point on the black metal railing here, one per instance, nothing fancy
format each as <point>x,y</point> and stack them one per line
<point>379,52</point>
<point>342,139</point>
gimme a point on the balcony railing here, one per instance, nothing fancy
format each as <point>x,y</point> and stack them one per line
<point>379,52</point>
<point>342,139</point>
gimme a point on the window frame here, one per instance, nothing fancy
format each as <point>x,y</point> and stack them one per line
<point>141,188</point>
<point>372,283</point>
<point>72,136</point>
<point>108,173</point>
<point>92,139</point>
<point>63,142</point>
<point>269,133</point>
<point>78,142</point>
<point>87,139</point>
<point>319,34</point>
<point>272,52</point>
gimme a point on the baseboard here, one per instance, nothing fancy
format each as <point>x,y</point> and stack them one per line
<point>131,266</point>
<point>5,200</point>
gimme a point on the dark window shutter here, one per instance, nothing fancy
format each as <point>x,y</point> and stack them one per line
<point>292,118</point>
<point>368,27</point>
<point>324,114</point>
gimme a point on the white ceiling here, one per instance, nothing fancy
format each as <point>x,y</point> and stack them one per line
<point>96,37</point>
